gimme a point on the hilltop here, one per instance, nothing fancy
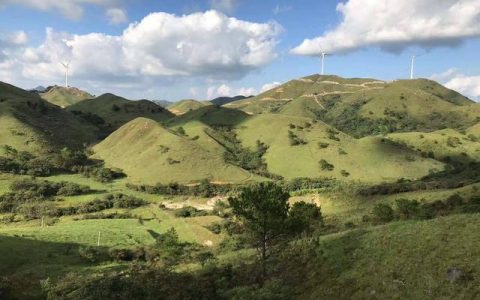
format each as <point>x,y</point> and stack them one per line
<point>63,96</point>
<point>225,100</point>
<point>184,106</point>
<point>150,153</point>
<point>110,112</point>
<point>363,107</point>
<point>27,122</point>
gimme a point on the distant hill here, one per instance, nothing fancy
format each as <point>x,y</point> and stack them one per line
<point>225,100</point>
<point>27,122</point>
<point>363,107</point>
<point>163,103</point>
<point>184,106</point>
<point>63,96</point>
<point>150,153</point>
<point>110,112</point>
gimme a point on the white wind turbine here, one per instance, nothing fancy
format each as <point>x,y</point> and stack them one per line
<point>323,62</point>
<point>67,67</point>
<point>412,65</point>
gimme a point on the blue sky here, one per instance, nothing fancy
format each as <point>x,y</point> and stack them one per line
<point>368,38</point>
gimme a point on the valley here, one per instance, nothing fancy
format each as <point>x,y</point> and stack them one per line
<point>102,195</point>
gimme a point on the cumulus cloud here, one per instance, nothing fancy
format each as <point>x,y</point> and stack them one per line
<point>464,84</point>
<point>116,16</point>
<point>269,86</point>
<point>227,6</point>
<point>72,9</point>
<point>208,45</point>
<point>225,90</point>
<point>394,25</point>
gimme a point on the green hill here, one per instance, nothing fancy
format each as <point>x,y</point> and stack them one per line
<point>364,107</point>
<point>187,105</point>
<point>64,97</point>
<point>371,159</point>
<point>115,111</point>
<point>30,123</point>
<point>150,153</point>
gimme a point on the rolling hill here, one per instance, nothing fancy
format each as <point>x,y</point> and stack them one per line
<point>114,111</point>
<point>150,153</point>
<point>30,123</point>
<point>64,97</point>
<point>187,105</point>
<point>363,107</point>
<point>225,100</point>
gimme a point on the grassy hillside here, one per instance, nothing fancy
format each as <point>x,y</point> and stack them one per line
<point>150,153</point>
<point>185,106</point>
<point>30,123</point>
<point>370,159</point>
<point>64,97</point>
<point>116,111</point>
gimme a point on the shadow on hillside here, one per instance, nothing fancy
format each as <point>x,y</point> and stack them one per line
<point>24,262</point>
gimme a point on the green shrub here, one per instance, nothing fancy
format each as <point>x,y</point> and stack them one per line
<point>325,166</point>
<point>189,211</point>
<point>383,212</point>
<point>407,208</point>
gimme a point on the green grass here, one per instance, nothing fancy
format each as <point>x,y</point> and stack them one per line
<point>116,111</point>
<point>404,260</point>
<point>64,97</point>
<point>185,106</point>
<point>369,159</point>
<point>150,153</point>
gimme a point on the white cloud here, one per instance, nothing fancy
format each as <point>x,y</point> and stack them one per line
<point>72,9</point>
<point>225,90</point>
<point>466,85</point>
<point>227,6</point>
<point>18,38</point>
<point>246,91</point>
<point>206,45</point>
<point>116,16</point>
<point>394,25</point>
<point>269,86</point>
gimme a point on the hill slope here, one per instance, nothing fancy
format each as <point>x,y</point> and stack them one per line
<point>150,153</point>
<point>185,106</point>
<point>64,97</point>
<point>28,122</point>
<point>116,111</point>
<point>371,159</point>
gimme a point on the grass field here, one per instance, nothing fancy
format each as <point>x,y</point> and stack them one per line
<point>64,97</point>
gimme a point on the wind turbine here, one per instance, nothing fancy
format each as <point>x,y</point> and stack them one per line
<point>67,67</point>
<point>323,61</point>
<point>412,67</point>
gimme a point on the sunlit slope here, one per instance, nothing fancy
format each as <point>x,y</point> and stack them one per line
<point>442,144</point>
<point>310,87</point>
<point>116,111</point>
<point>64,97</point>
<point>187,105</point>
<point>30,123</point>
<point>371,159</point>
<point>150,153</point>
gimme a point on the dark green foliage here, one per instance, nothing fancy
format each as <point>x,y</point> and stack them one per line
<point>181,131</point>
<point>323,145</point>
<point>332,134</point>
<point>89,254</point>
<point>263,211</point>
<point>25,163</point>
<point>325,165</point>
<point>304,217</point>
<point>189,211</point>
<point>248,159</point>
<point>383,212</point>
<point>111,201</point>
<point>342,152</point>
<point>99,173</point>
<point>295,140</point>
<point>344,173</point>
<point>172,161</point>
<point>90,117</point>
<point>407,208</point>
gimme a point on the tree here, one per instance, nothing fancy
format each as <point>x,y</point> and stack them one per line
<point>263,210</point>
<point>303,217</point>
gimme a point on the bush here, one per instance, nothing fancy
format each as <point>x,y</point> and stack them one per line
<point>189,211</point>
<point>407,208</point>
<point>295,140</point>
<point>326,166</point>
<point>323,145</point>
<point>303,217</point>
<point>88,253</point>
<point>383,212</point>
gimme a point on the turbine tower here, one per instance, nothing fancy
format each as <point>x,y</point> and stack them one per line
<point>412,67</point>
<point>323,61</point>
<point>67,67</point>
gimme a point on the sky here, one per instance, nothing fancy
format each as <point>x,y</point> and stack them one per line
<point>178,49</point>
